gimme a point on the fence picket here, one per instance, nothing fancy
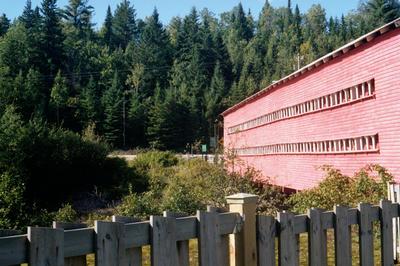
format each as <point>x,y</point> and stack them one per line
<point>73,261</point>
<point>164,250</point>
<point>222,240</point>
<point>317,247</point>
<point>386,222</point>
<point>342,236</point>
<point>366,235</point>
<point>110,243</point>
<point>133,255</point>
<point>288,241</point>
<point>46,246</point>
<point>266,232</point>
<point>183,246</point>
<point>208,229</point>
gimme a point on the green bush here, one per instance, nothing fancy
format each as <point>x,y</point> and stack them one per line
<point>367,185</point>
<point>66,214</point>
<point>187,186</point>
<point>41,167</point>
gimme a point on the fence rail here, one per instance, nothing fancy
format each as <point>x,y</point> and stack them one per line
<point>239,237</point>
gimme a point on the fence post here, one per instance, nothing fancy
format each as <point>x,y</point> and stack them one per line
<point>46,246</point>
<point>164,251</point>
<point>243,245</point>
<point>133,255</point>
<point>183,246</point>
<point>73,261</point>
<point>110,243</point>
<point>365,235</point>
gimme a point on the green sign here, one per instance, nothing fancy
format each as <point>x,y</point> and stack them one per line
<point>204,148</point>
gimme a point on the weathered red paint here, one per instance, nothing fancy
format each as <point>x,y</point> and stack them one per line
<point>378,59</point>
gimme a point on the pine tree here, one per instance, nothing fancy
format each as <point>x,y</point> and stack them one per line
<point>78,14</point>
<point>59,95</point>
<point>137,121</point>
<point>4,24</point>
<point>112,109</point>
<point>88,104</point>
<point>52,36</point>
<point>34,94</point>
<point>168,129</point>
<point>28,14</point>
<point>153,53</point>
<point>380,12</point>
<point>107,31</point>
<point>124,24</point>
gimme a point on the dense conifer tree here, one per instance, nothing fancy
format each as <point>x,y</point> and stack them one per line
<point>200,64</point>
<point>106,32</point>
<point>52,37</point>
<point>124,24</point>
<point>112,109</point>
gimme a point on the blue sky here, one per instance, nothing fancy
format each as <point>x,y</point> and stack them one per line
<point>170,8</point>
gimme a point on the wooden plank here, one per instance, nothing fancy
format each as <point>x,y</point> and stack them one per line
<point>229,223</point>
<point>328,220</point>
<point>288,242</point>
<point>9,232</point>
<point>124,219</point>
<point>46,246</point>
<point>365,235</point>
<point>300,223</point>
<point>266,233</point>
<point>133,255</point>
<point>317,247</point>
<point>164,250</point>
<point>68,226</point>
<point>207,244</point>
<point>386,222</point>
<point>71,261</point>
<point>183,246</point>
<point>137,234</point>
<point>343,254</point>
<point>186,228</point>
<point>110,243</point>
<point>79,242</point>
<point>221,239</point>
<point>13,250</point>
<point>353,216</point>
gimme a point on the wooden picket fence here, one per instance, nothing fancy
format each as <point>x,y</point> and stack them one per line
<point>238,237</point>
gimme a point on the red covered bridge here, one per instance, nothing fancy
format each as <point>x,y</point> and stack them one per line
<point>341,110</point>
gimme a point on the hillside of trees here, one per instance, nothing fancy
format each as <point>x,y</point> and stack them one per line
<point>139,83</point>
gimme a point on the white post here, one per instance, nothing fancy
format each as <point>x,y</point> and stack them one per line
<point>243,245</point>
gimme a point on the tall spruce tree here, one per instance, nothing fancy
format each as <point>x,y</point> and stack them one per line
<point>106,32</point>
<point>168,129</point>
<point>78,14</point>
<point>4,24</point>
<point>124,24</point>
<point>52,37</point>
<point>112,102</point>
<point>154,53</point>
<point>380,12</point>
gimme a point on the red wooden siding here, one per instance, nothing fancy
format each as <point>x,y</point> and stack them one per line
<point>378,60</point>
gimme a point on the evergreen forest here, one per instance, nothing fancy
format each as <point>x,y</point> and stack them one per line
<point>138,83</point>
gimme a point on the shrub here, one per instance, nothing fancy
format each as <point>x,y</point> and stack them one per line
<point>367,185</point>
<point>191,185</point>
<point>66,214</point>
<point>13,209</point>
<point>42,167</point>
